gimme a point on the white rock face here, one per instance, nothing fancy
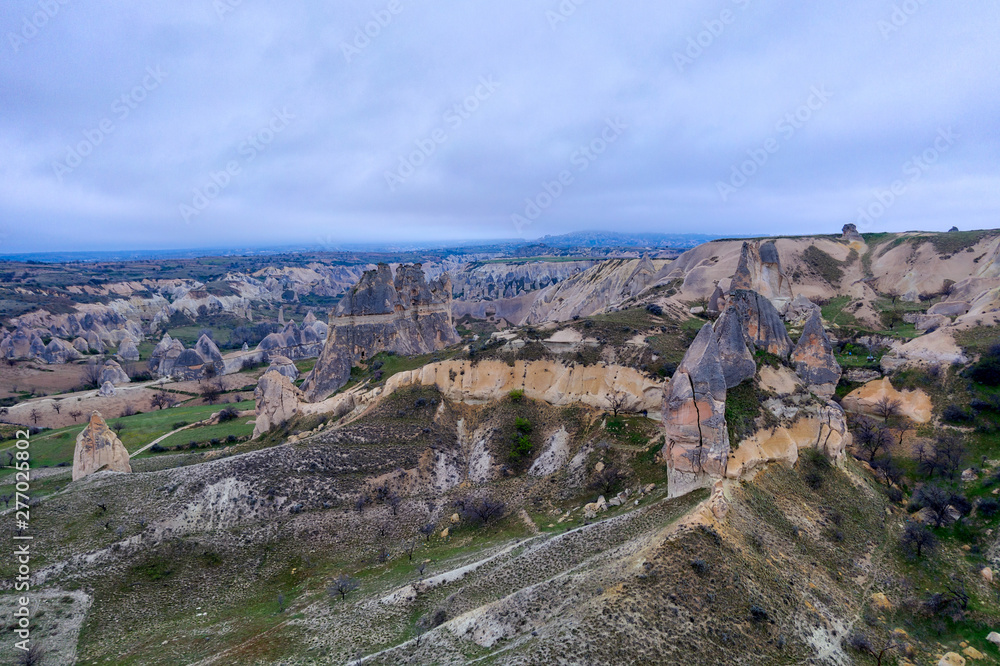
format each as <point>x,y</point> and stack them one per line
<point>98,447</point>
<point>554,456</point>
<point>277,401</point>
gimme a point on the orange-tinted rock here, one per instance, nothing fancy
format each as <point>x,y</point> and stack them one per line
<point>814,360</point>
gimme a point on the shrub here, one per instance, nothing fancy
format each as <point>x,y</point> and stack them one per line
<point>700,567</point>
<point>654,309</point>
<point>987,369</point>
<point>516,395</point>
<point>956,414</point>
<point>228,414</point>
<point>179,424</point>
<point>482,510</point>
<point>989,508</point>
<point>231,439</point>
<point>156,448</point>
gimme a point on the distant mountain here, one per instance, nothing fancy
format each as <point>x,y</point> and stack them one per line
<point>616,239</point>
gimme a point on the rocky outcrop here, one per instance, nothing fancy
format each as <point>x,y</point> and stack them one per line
<point>277,401</point>
<point>550,381</point>
<point>296,342</point>
<point>760,270</point>
<point>914,405</point>
<point>107,390</point>
<point>850,233</point>
<point>404,313</point>
<point>127,350</point>
<point>284,366</point>
<point>799,310</point>
<point>694,418</point>
<point>761,322</point>
<point>814,360</point>
<point>811,425</point>
<point>112,372</point>
<point>98,447</point>
<point>208,351</point>
<point>738,363</point>
<point>57,352</point>
<point>165,355</point>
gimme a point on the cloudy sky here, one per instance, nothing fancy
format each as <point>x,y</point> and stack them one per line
<point>196,123</point>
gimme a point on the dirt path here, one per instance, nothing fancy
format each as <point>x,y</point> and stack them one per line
<point>163,437</point>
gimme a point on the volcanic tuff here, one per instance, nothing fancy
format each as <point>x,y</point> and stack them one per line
<point>97,447</point>
<point>694,418</point>
<point>814,360</point>
<point>738,363</point>
<point>405,314</point>
<point>760,270</point>
<point>761,322</point>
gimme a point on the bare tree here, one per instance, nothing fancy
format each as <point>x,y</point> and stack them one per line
<point>481,511</point>
<point>56,405</point>
<point>210,394</point>
<point>950,452</point>
<point>409,548</point>
<point>917,537</point>
<point>887,408</point>
<point>427,530</point>
<point>75,415</point>
<point>607,480</point>
<point>871,438</point>
<point>281,602</point>
<point>619,401</point>
<point>162,400</point>
<point>92,375</point>
<point>394,502</point>
<point>35,415</point>
<point>342,586</point>
<point>861,643</point>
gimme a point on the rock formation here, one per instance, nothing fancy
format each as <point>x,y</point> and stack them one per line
<point>98,447</point>
<point>127,350</point>
<point>760,270</point>
<point>107,390</point>
<point>164,356</point>
<point>404,314</point>
<point>170,359</point>
<point>761,322</point>
<point>277,401</point>
<point>112,372</point>
<point>738,363</point>
<point>694,418</point>
<point>208,351</point>
<point>284,366</point>
<point>296,342</point>
<point>914,405</point>
<point>551,381</point>
<point>814,360</point>
<point>851,233</point>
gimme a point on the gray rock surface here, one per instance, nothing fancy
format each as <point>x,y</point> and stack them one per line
<point>738,363</point>
<point>814,360</point>
<point>760,270</point>
<point>761,322</point>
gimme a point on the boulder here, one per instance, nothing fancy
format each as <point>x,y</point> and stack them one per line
<point>113,373</point>
<point>98,447</point>
<point>80,344</point>
<point>284,365</point>
<point>760,270</point>
<point>994,637</point>
<point>973,653</point>
<point>165,356</point>
<point>881,602</point>
<point>761,322</point>
<point>208,350</point>
<point>952,659</point>
<point>987,575</point>
<point>107,390</point>
<point>924,323</point>
<point>404,313</point>
<point>715,301</point>
<point>814,360</point>
<point>738,363</point>
<point>277,401</point>
<point>694,418</point>
<point>127,350</point>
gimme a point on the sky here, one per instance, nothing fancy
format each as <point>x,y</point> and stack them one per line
<point>215,123</point>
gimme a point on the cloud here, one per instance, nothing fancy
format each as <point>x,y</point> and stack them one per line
<point>358,110</point>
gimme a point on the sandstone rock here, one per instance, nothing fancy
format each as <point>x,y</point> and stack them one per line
<point>973,653</point>
<point>994,637</point>
<point>814,360</point>
<point>208,351</point>
<point>127,351</point>
<point>738,362</point>
<point>881,602</point>
<point>952,659</point>
<point>861,375</point>
<point>914,405</point>
<point>987,574</point>
<point>98,447</point>
<point>760,270</point>
<point>58,352</point>
<point>445,532</point>
<point>697,310</point>
<point>277,401</point>
<point>406,314</point>
<point>969,475</point>
<point>80,344</point>
<point>107,390</point>
<point>851,233</point>
<point>694,418</point>
<point>284,366</point>
<point>761,322</point>
<point>164,356</point>
<point>112,372</point>
<point>455,519</point>
<point>715,301</point>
